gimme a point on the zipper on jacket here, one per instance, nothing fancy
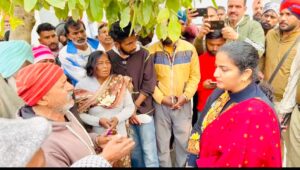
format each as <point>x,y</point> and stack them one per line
<point>171,58</point>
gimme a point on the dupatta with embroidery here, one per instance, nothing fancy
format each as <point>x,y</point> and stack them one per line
<point>109,95</point>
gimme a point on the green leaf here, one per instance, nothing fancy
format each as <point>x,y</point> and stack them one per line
<point>106,3</point>
<point>57,3</point>
<point>72,4</point>
<point>174,28</point>
<point>82,4</point>
<point>146,11</point>
<point>162,31</point>
<point>2,28</point>
<point>125,17</point>
<point>112,12</point>
<point>5,5</point>
<point>139,18</point>
<point>17,2</point>
<point>163,15</point>
<point>173,6</point>
<point>214,4</point>
<point>15,22</point>
<point>89,14</point>
<point>45,4</point>
<point>96,9</point>
<point>61,13</point>
<point>134,17</point>
<point>187,3</point>
<point>29,5</point>
<point>76,14</point>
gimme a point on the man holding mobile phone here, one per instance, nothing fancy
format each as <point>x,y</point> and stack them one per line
<point>239,26</point>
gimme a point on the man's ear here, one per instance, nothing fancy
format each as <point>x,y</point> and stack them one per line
<point>247,74</point>
<point>39,40</point>
<point>43,101</point>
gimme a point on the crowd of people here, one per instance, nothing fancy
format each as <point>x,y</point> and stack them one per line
<point>224,97</point>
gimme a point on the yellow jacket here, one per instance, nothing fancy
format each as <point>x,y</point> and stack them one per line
<point>178,77</point>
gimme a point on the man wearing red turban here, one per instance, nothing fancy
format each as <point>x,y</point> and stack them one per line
<point>292,5</point>
<point>46,92</point>
<point>280,42</point>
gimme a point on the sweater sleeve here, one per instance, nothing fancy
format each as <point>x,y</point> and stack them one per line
<point>89,119</point>
<point>194,77</point>
<point>149,76</point>
<point>158,95</point>
<point>255,37</point>
<point>128,108</point>
<point>54,159</point>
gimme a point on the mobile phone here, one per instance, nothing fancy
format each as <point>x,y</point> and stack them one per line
<point>201,12</point>
<point>216,25</point>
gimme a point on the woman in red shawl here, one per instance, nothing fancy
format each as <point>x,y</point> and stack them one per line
<point>239,127</point>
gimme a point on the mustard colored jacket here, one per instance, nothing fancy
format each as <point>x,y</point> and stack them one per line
<point>177,77</point>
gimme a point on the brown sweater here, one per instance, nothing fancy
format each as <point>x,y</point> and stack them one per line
<point>140,67</point>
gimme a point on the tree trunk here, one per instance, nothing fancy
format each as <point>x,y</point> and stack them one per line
<point>23,32</point>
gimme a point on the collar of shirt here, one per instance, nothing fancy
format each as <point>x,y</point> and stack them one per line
<point>71,48</point>
<point>138,47</point>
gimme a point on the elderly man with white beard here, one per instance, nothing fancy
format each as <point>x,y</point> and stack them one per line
<point>46,92</point>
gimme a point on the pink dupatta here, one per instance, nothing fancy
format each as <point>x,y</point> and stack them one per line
<point>246,135</point>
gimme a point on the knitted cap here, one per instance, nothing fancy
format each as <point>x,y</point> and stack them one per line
<point>35,80</point>
<point>291,5</point>
<point>271,6</point>
<point>42,52</point>
<point>13,54</point>
<point>20,139</point>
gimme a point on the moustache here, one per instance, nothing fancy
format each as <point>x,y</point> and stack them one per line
<point>266,25</point>
<point>81,40</point>
<point>53,44</point>
<point>283,22</point>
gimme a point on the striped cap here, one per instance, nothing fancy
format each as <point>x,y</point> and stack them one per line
<point>35,80</point>
<point>291,5</point>
<point>42,52</point>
